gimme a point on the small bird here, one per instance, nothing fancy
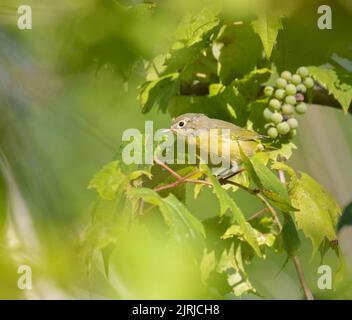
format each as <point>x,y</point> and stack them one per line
<point>198,125</point>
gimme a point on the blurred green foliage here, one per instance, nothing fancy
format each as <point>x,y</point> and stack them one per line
<point>68,89</point>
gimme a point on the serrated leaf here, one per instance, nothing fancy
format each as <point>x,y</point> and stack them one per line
<point>318,211</point>
<point>207,265</point>
<point>293,177</point>
<point>158,92</point>
<point>267,27</point>
<point>231,263</point>
<point>193,27</point>
<point>183,225</point>
<point>237,50</point>
<point>108,181</point>
<point>266,239</point>
<point>227,203</point>
<point>328,78</point>
<point>291,242</point>
<point>250,85</point>
<point>267,182</point>
<point>285,151</point>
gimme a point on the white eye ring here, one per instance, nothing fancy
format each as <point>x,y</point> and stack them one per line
<point>181,124</point>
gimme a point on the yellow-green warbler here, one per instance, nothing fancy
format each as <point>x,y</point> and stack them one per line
<point>217,138</point>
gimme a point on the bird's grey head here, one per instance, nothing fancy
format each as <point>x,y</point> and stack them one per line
<point>187,122</point>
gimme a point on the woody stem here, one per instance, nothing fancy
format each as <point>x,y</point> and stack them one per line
<point>296,260</point>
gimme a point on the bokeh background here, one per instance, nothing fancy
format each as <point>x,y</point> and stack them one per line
<point>68,89</point>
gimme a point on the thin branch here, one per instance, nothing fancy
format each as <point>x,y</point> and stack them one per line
<point>323,98</point>
<point>320,95</point>
<point>271,209</point>
<point>307,292</point>
<point>257,193</point>
<point>167,168</point>
<point>257,214</point>
<point>181,180</point>
<point>296,260</point>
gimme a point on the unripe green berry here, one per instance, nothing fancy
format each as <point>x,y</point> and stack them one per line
<point>281,83</point>
<point>303,72</point>
<point>296,79</point>
<point>290,100</point>
<point>283,128</point>
<point>291,89</point>
<point>292,133</point>
<point>301,88</point>
<point>268,91</point>
<point>301,108</point>
<point>309,82</point>
<point>293,123</point>
<point>287,75</point>
<point>287,109</point>
<point>274,104</point>
<point>280,94</point>
<point>267,114</point>
<point>276,117</point>
<point>272,133</point>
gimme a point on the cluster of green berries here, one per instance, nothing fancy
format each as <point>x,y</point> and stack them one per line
<point>286,99</point>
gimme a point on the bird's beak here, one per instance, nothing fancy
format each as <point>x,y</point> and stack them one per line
<point>166,130</point>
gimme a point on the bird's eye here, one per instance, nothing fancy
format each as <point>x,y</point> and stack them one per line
<point>181,124</point>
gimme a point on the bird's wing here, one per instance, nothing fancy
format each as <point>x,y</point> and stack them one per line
<point>237,132</point>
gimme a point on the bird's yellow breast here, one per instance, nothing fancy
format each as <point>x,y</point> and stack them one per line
<point>223,145</point>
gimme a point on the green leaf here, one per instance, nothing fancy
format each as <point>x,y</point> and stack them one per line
<point>267,182</point>
<point>284,152</point>
<point>250,85</point>
<point>227,203</point>
<point>286,168</point>
<point>3,206</point>
<point>180,219</point>
<point>193,27</point>
<point>318,211</point>
<point>158,92</point>
<point>231,263</point>
<point>183,225</point>
<point>267,27</point>
<point>234,230</point>
<point>328,78</point>
<point>237,50</point>
<point>291,242</point>
<point>110,181</point>
<point>106,254</point>
<point>207,265</point>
